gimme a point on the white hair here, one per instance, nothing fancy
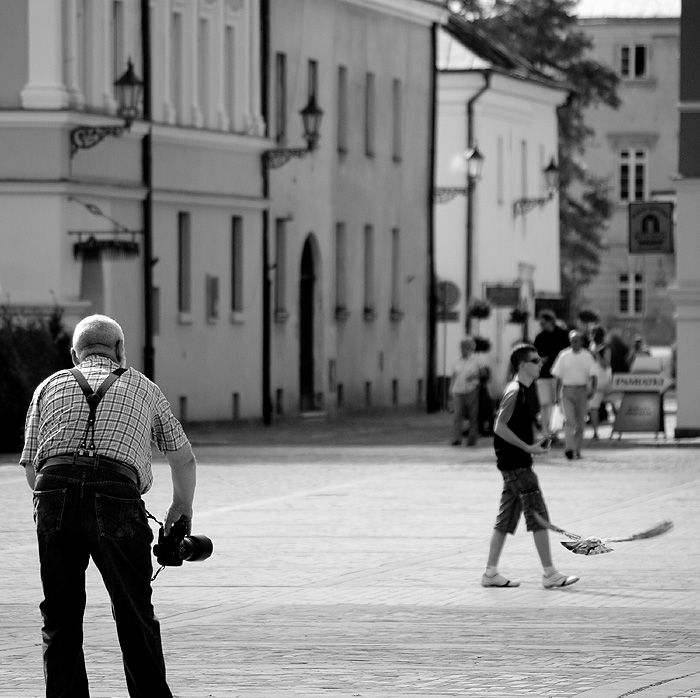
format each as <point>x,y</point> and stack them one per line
<point>96,334</point>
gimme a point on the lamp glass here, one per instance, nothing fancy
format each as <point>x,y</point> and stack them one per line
<point>128,92</point>
<point>551,175</point>
<point>311,116</point>
<point>475,162</point>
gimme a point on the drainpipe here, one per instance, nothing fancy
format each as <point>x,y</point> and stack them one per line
<point>431,397</point>
<point>266,284</point>
<point>470,200</point>
<point>149,352</point>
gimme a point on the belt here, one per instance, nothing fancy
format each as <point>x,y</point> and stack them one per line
<point>96,461</point>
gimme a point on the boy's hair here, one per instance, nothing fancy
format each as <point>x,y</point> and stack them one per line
<point>521,353</point>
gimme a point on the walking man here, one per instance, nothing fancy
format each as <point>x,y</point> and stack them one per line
<point>514,442</point>
<point>577,376</point>
<point>88,462</point>
<point>465,393</point>
<point>549,342</point>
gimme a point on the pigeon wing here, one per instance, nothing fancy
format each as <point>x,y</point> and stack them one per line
<point>657,530</point>
<point>543,522</point>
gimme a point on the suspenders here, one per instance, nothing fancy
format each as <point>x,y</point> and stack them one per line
<point>93,400</point>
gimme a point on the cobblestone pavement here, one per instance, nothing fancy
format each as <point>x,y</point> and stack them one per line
<point>347,564</point>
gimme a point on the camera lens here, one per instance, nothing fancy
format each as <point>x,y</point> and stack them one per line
<point>196,548</point>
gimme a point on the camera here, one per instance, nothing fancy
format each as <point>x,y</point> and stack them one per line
<point>178,545</point>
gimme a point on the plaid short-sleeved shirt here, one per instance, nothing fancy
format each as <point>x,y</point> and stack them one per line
<point>133,414</point>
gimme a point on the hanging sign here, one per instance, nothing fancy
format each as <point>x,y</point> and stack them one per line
<point>651,227</point>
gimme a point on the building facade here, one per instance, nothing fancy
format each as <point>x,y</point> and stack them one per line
<point>686,292</point>
<point>636,148</point>
<point>497,239</point>
<point>350,224</point>
<point>302,287</point>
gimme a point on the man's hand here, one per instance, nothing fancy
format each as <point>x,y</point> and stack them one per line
<point>173,515</point>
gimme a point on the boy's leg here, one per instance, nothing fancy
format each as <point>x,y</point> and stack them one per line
<point>508,514</point>
<point>498,539</point>
<point>543,548</point>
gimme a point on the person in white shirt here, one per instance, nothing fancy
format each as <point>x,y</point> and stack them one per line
<point>465,393</point>
<point>577,375</point>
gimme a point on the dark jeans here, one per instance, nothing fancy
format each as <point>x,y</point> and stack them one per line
<point>83,512</point>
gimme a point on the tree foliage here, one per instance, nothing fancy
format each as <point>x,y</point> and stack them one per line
<point>30,350</point>
<point>546,33</point>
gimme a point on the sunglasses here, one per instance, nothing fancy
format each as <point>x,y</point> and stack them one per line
<point>538,360</point>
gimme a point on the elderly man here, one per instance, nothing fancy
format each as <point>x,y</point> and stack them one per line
<point>577,376</point>
<point>465,393</point>
<point>88,461</point>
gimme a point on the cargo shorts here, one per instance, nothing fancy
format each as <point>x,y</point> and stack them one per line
<point>521,494</point>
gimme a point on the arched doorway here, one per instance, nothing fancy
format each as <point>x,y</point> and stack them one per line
<point>307,302</point>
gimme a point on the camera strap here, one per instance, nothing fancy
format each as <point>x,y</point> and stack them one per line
<point>93,397</point>
<point>161,524</point>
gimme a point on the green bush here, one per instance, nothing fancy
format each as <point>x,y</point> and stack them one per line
<point>30,350</point>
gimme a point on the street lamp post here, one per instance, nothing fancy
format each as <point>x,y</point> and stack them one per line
<point>475,163</point>
<point>551,177</point>
<point>128,90</point>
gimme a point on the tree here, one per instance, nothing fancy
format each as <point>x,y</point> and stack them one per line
<point>546,33</point>
<point>30,350</point>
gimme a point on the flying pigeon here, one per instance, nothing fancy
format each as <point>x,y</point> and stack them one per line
<point>598,546</point>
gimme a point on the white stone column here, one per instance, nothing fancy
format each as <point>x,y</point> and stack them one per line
<point>45,88</point>
<point>192,44</point>
<point>686,295</point>
<point>255,82</point>
<point>219,85</point>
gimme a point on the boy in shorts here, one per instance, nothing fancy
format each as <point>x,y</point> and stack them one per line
<point>514,444</point>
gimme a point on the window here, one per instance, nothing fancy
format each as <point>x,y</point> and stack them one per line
<point>236,264</point>
<point>212,298</point>
<point>500,170</point>
<point>312,79</point>
<point>184,264</point>
<point>229,76</point>
<point>523,169</point>
<point>342,135</point>
<point>369,273</point>
<point>341,311</point>
<point>395,272</point>
<point>631,294</point>
<point>118,61</point>
<point>633,62</point>
<point>176,66</point>
<point>397,118</point>
<point>369,114</point>
<point>281,269</point>
<point>203,69</point>
<point>281,97</point>
<point>632,175</point>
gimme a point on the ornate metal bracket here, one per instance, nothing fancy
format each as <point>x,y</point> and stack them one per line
<point>84,137</point>
<point>275,159</point>
<point>522,206</point>
<point>441,195</point>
